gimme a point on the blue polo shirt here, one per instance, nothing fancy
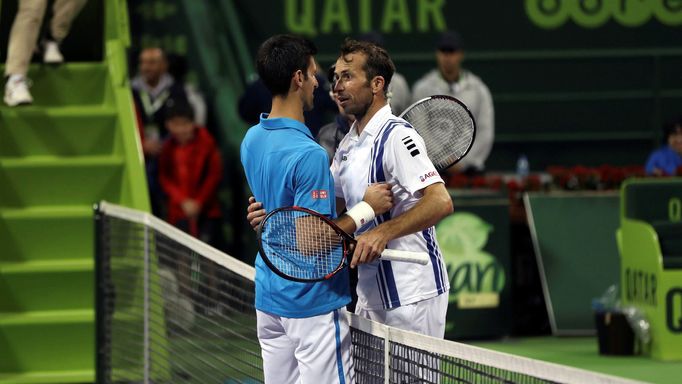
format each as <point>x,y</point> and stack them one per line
<point>665,159</point>
<point>285,166</point>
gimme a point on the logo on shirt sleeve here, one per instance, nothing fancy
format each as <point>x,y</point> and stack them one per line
<point>425,176</point>
<point>411,146</point>
<point>319,194</point>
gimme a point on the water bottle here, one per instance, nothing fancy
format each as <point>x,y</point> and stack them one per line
<point>522,167</point>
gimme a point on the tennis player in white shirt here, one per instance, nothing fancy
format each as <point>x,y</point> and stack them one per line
<point>381,147</point>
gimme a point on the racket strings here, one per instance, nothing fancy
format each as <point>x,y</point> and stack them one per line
<point>446,127</point>
<point>300,245</point>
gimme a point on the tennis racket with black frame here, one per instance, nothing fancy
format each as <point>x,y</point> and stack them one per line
<point>447,127</point>
<point>302,245</point>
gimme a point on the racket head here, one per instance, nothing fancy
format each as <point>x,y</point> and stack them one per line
<point>447,127</point>
<point>302,245</point>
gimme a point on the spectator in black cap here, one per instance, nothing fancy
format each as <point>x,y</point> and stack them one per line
<point>451,79</point>
<point>399,95</point>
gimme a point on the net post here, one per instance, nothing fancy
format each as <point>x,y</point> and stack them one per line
<point>102,372</point>
<point>146,305</point>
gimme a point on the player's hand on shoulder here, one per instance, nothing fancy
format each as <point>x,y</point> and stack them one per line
<point>254,212</point>
<point>379,196</point>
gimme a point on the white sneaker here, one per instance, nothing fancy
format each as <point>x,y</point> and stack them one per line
<point>51,53</point>
<point>16,91</point>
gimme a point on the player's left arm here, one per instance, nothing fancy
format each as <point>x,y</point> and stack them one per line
<point>407,163</point>
<point>434,205</point>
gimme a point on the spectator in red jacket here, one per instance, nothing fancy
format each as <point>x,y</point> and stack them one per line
<point>190,170</point>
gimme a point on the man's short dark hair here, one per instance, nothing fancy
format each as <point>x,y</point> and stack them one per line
<point>378,62</point>
<point>279,57</point>
<point>178,107</point>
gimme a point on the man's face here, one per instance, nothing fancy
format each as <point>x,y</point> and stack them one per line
<point>309,85</point>
<point>352,88</point>
<point>181,128</point>
<point>675,140</point>
<point>449,63</point>
<point>152,64</point>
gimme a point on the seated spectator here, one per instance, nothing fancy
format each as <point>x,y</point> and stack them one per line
<point>667,160</point>
<point>23,39</point>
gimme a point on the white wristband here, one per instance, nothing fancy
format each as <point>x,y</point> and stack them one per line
<point>361,213</point>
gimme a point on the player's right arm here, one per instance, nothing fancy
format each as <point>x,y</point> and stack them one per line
<point>378,196</point>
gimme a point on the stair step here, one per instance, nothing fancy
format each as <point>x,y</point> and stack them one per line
<point>70,283</point>
<point>44,180</point>
<point>47,317</point>
<point>46,233</point>
<point>47,341</point>
<point>52,211</point>
<point>24,112</point>
<point>59,162</point>
<point>48,377</point>
<point>57,131</point>
<point>54,86</point>
<point>39,266</point>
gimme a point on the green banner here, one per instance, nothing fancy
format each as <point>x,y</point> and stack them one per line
<point>502,25</point>
<point>475,245</point>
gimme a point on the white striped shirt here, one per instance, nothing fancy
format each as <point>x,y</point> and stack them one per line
<point>390,150</point>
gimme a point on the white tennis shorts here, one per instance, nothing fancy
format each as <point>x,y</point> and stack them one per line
<point>311,350</point>
<point>426,317</point>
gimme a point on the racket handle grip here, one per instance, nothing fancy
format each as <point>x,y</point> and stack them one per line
<point>405,256</point>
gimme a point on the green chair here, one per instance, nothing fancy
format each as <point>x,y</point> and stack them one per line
<point>650,240</point>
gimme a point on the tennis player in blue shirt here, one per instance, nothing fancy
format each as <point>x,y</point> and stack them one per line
<point>303,337</point>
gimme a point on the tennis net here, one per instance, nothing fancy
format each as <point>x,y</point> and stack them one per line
<point>171,309</point>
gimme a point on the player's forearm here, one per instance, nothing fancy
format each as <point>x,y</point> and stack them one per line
<point>431,208</point>
<point>340,206</point>
<point>346,223</point>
